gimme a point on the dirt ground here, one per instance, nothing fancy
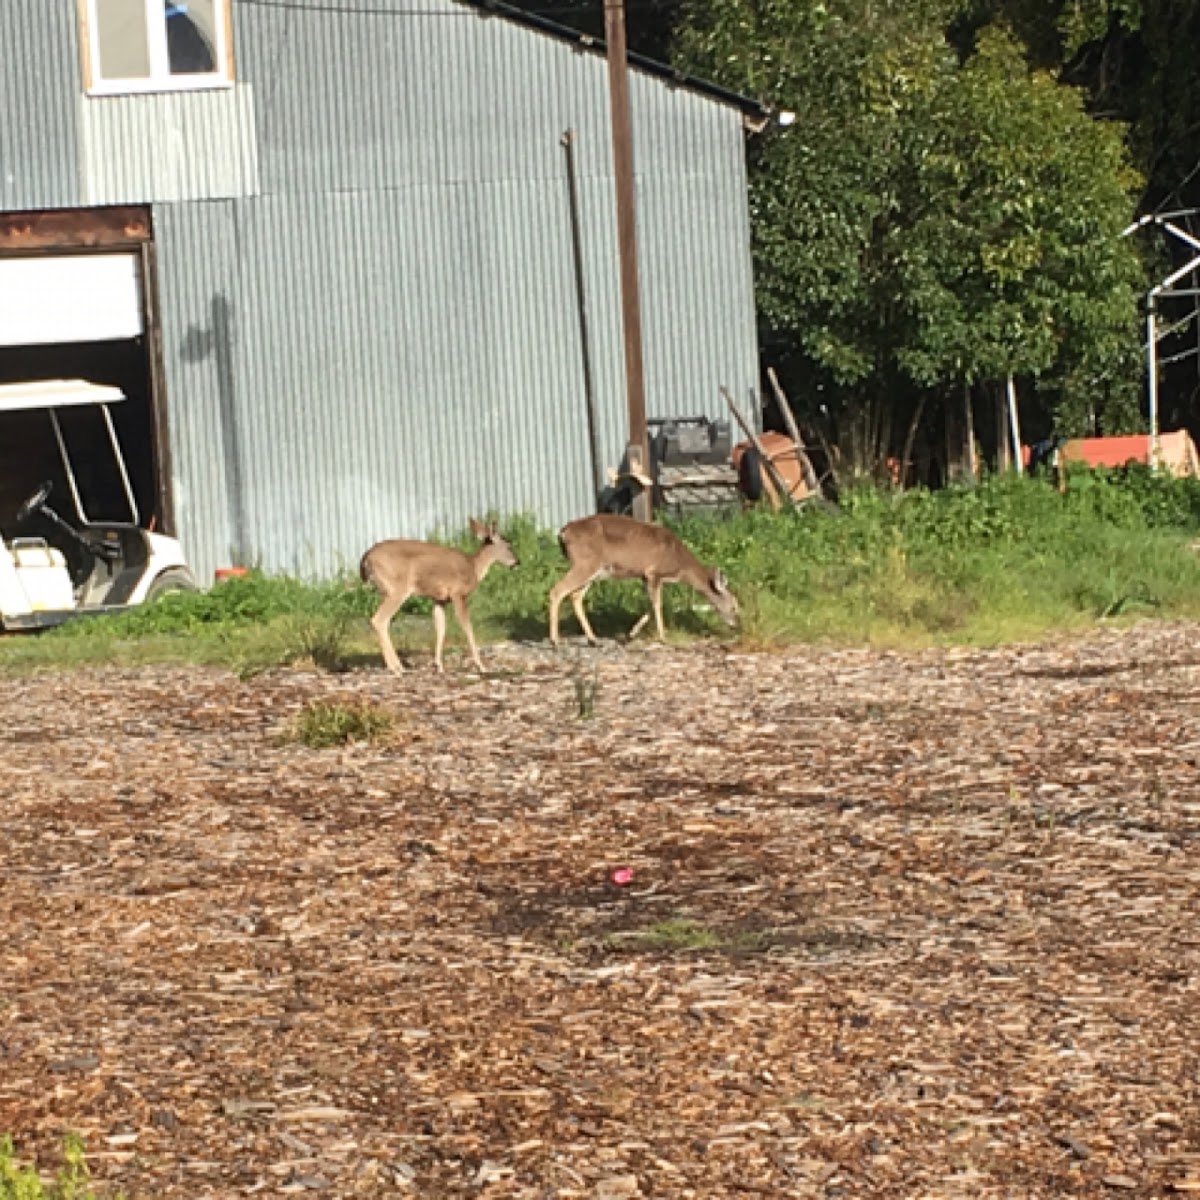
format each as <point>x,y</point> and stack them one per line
<point>898,926</point>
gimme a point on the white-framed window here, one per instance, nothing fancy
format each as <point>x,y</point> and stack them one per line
<point>156,45</point>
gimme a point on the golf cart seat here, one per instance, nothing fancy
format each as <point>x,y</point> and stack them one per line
<point>41,565</point>
<point>36,552</point>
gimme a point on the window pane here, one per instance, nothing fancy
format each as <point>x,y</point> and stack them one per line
<point>121,36</point>
<point>191,36</point>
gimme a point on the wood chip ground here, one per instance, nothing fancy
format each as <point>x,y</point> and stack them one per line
<point>907,926</point>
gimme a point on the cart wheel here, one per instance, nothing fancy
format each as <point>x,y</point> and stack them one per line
<point>173,580</point>
<point>750,474</point>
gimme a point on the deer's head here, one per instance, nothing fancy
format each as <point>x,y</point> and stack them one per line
<point>721,598</point>
<point>492,538</point>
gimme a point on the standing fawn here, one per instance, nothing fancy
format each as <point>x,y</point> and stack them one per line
<point>607,546</point>
<point>399,569</point>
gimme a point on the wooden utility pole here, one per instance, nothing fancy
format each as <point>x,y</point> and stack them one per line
<point>637,450</point>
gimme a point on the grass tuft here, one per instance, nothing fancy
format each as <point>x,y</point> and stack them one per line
<point>676,933</point>
<point>327,723</point>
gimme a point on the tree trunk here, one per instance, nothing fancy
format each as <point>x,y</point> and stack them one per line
<point>909,439</point>
<point>1003,450</point>
<point>969,439</point>
<point>960,437</point>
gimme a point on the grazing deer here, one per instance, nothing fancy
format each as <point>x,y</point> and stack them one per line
<point>610,546</point>
<point>399,569</point>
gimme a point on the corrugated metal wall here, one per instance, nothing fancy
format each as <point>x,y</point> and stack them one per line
<point>370,315</point>
<point>405,341</point>
<point>168,146</point>
<point>39,86</point>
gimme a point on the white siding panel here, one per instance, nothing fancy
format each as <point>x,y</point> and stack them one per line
<point>69,298</point>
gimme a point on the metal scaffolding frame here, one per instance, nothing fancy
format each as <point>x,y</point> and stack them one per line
<point>1167,289</point>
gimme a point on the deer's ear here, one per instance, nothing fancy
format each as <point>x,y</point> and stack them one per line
<point>720,583</point>
<point>480,531</point>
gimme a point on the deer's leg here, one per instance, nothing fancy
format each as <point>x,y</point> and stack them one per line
<point>654,591</point>
<point>573,581</point>
<point>439,636</point>
<point>581,613</point>
<point>464,619</point>
<point>381,623</point>
<point>654,587</point>
<point>557,594</point>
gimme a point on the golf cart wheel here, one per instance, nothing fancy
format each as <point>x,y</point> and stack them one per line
<point>173,580</point>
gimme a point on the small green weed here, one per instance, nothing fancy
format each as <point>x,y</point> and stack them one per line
<point>326,723</point>
<point>24,1183</point>
<point>678,933</point>
<point>587,688</point>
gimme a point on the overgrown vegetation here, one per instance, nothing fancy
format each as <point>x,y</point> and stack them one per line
<point>1007,560</point>
<point>24,1183</point>
<point>1011,558</point>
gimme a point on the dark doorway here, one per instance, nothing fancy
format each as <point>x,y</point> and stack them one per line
<point>29,453</point>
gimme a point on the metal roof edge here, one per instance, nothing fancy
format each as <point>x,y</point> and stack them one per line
<point>651,66</point>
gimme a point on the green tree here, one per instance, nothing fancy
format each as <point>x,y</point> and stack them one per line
<point>1136,59</point>
<point>828,195</point>
<point>1016,265</point>
<point>928,222</point>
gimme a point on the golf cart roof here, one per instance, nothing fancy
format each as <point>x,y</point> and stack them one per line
<point>56,393</point>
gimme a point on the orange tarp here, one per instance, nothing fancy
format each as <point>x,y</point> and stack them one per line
<point>1176,451</point>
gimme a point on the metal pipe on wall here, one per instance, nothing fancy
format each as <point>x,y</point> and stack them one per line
<point>585,334</point>
<point>1152,377</point>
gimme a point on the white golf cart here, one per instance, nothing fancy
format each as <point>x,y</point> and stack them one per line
<point>92,566</point>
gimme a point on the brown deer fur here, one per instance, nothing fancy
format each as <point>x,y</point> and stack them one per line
<point>398,569</point>
<point>608,546</point>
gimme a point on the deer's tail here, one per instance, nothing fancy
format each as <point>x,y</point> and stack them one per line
<point>366,570</point>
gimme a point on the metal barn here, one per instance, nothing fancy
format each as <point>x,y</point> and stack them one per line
<point>326,248</point>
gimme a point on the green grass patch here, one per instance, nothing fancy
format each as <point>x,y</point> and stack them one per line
<point>1007,560</point>
<point>1010,559</point>
<point>250,624</point>
<point>673,934</point>
<point>326,723</point>
<point>681,934</point>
